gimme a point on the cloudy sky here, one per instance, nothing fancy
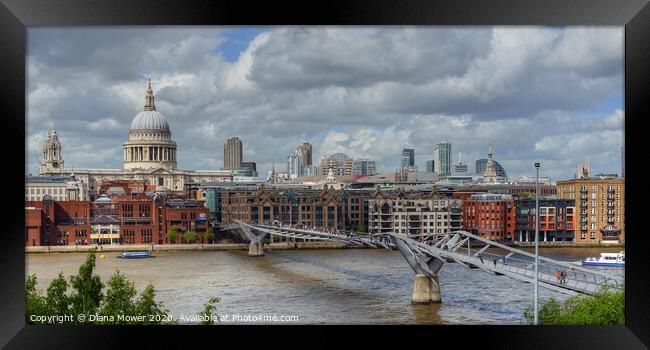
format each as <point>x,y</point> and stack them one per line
<point>553,95</point>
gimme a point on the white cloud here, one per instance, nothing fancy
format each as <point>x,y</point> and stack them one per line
<point>363,91</point>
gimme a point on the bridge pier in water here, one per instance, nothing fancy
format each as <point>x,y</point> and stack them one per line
<point>426,289</point>
<point>255,249</point>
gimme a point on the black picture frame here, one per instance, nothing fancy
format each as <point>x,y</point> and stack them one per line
<point>15,15</point>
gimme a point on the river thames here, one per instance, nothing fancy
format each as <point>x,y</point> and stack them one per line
<point>335,286</point>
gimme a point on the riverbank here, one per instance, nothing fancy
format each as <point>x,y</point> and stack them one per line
<point>267,246</point>
<point>187,247</point>
<point>566,245</point>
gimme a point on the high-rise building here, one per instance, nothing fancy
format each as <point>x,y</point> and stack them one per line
<point>622,161</point>
<point>442,158</point>
<point>430,166</point>
<point>600,206</point>
<point>408,157</point>
<point>300,162</point>
<point>305,154</point>
<point>232,153</point>
<point>340,163</point>
<point>363,166</point>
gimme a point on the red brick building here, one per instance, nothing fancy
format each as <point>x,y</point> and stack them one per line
<point>490,216</point>
<point>121,219</point>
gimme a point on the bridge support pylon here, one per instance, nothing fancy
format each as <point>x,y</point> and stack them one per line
<point>255,249</point>
<point>426,289</point>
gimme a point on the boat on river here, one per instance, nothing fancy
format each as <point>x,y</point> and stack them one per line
<point>135,255</point>
<point>606,259</point>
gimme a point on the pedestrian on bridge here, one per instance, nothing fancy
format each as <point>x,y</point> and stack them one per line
<point>563,275</point>
<point>495,262</point>
<point>558,275</point>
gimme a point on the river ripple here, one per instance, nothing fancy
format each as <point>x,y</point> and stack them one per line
<point>346,286</point>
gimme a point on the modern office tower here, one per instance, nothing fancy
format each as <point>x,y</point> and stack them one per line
<point>232,153</point>
<point>305,154</point>
<point>430,166</point>
<point>408,157</point>
<point>622,161</point>
<point>442,158</point>
<point>300,162</point>
<point>600,204</point>
<point>363,166</point>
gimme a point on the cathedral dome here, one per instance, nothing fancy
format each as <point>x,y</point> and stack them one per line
<point>150,120</point>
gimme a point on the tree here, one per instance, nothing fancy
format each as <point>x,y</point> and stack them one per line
<point>35,303</point>
<point>602,308</point>
<point>171,234</point>
<point>87,289</point>
<point>119,298</point>
<point>207,316</point>
<point>147,305</point>
<point>57,300</point>
<point>360,228</point>
<point>190,236</point>
<point>209,234</point>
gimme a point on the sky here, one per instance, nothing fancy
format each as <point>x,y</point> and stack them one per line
<point>538,94</point>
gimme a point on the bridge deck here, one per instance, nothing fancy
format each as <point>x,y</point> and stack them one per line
<point>451,248</point>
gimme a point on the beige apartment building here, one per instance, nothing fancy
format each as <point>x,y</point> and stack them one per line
<point>600,208</point>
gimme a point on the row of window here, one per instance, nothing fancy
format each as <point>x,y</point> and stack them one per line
<point>49,191</point>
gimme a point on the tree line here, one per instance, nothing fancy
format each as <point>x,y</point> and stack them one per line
<point>85,299</point>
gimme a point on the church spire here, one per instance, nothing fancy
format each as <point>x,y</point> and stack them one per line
<point>149,104</point>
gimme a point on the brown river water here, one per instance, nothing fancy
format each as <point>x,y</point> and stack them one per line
<point>336,286</point>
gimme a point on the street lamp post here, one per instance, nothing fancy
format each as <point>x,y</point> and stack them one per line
<point>536,241</point>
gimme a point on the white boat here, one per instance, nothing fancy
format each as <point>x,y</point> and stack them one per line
<point>606,259</point>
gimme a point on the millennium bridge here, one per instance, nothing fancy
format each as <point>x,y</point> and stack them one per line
<point>427,254</point>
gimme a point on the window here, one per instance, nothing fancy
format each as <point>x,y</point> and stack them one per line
<point>593,235</point>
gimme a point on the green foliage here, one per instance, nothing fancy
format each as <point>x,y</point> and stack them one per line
<point>171,234</point>
<point>86,289</point>
<point>147,305</point>
<point>57,299</point>
<point>602,308</point>
<point>119,297</point>
<point>35,303</point>
<point>209,234</point>
<point>190,236</point>
<point>207,316</point>
<point>118,306</point>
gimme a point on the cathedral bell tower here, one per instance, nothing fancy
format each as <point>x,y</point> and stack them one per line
<point>51,159</point>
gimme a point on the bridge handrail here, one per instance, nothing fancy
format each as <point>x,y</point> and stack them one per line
<point>541,258</point>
